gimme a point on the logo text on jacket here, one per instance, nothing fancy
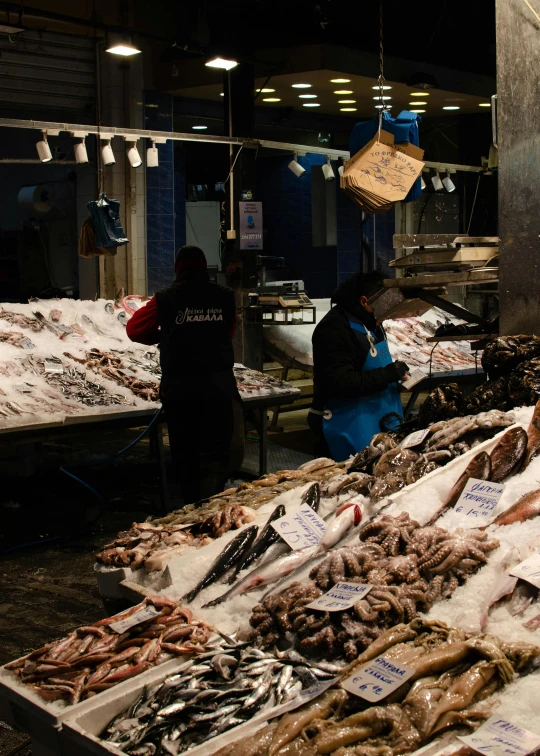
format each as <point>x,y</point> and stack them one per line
<point>191,315</point>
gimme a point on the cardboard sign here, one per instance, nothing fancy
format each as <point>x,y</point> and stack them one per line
<point>53,366</point>
<point>251,225</point>
<point>144,614</point>
<point>342,596</point>
<point>414,439</point>
<point>529,570</point>
<point>381,173</point>
<point>500,737</point>
<point>26,343</point>
<point>477,502</point>
<point>302,529</point>
<point>377,679</point>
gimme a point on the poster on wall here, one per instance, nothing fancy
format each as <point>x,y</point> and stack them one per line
<point>251,225</point>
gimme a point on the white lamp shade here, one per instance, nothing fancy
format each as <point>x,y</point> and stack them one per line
<point>296,168</point>
<point>107,155</point>
<point>448,184</point>
<point>44,151</point>
<point>81,155</point>
<point>341,169</point>
<point>328,172</point>
<point>437,183</point>
<point>422,183</point>
<point>152,157</point>
<point>134,157</point>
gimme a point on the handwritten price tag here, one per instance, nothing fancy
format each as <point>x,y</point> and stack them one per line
<point>342,596</point>
<point>477,502</point>
<point>377,679</point>
<point>144,614</point>
<point>414,439</point>
<point>302,529</point>
<point>500,737</point>
<point>415,376</point>
<point>529,570</point>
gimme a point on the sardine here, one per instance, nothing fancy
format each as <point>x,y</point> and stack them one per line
<point>507,457</point>
<point>284,678</point>
<point>479,467</point>
<point>267,537</point>
<point>267,573</point>
<point>231,554</point>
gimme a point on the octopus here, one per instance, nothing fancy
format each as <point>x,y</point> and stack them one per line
<point>447,432</point>
<point>230,518</point>
<point>392,533</point>
<point>460,551</point>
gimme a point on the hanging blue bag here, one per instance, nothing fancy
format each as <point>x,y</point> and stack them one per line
<point>105,214</point>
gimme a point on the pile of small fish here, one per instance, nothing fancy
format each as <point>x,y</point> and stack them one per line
<point>148,545</point>
<point>112,367</point>
<point>97,657</point>
<point>220,689</point>
<point>409,568</point>
<point>454,685</point>
<point>252,382</point>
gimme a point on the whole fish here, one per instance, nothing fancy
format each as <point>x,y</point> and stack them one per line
<point>524,509</point>
<point>533,436</point>
<point>347,518</point>
<point>267,573</point>
<point>231,554</point>
<point>507,457</point>
<point>479,467</point>
<point>267,537</point>
<point>312,497</point>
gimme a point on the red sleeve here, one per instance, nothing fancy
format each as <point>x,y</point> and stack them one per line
<point>143,325</point>
<point>233,326</point>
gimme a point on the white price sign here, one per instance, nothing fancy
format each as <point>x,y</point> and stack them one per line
<point>144,614</point>
<point>302,529</point>
<point>477,501</point>
<point>415,376</point>
<point>342,596</point>
<point>377,679</point>
<point>500,737</point>
<point>414,439</point>
<point>529,570</point>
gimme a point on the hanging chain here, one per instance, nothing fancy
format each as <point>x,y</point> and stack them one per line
<point>381,79</point>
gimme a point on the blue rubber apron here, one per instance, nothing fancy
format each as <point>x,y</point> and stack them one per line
<point>350,424</point>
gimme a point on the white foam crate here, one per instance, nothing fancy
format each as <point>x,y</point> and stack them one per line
<point>109,580</point>
<point>22,708</point>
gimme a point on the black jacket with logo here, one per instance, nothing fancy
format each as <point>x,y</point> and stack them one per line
<point>339,353</point>
<point>196,319</point>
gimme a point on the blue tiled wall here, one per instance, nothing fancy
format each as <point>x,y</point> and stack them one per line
<point>349,230</point>
<point>179,194</point>
<point>287,222</point>
<point>160,200</point>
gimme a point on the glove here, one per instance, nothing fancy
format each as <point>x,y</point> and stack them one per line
<point>401,369</point>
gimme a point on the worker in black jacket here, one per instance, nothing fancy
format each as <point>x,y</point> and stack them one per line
<point>356,392</point>
<point>194,321</point>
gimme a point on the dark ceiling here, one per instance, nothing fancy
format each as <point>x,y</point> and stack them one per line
<point>457,34</point>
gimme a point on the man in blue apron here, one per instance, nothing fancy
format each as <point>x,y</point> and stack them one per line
<point>356,383</point>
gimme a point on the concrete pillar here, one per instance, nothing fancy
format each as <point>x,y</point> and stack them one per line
<point>518,84</point>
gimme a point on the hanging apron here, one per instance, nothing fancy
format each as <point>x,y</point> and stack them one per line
<point>350,424</point>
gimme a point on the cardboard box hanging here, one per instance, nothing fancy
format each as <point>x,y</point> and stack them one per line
<point>382,172</point>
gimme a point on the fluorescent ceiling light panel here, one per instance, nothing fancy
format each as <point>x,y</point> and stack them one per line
<point>223,63</point>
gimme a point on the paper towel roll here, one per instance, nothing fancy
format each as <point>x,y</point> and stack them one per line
<point>36,199</point>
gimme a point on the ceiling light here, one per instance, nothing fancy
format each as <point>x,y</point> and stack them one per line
<point>43,149</point>
<point>152,156</point>
<point>418,103</point>
<point>295,167</point>
<point>133,154</point>
<point>271,99</point>
<point>448,183</point>
<point>436,181</point>
<point>343,91</point>
<point>81,154</point>
<point>348,110</point>
<point>418,111</point>
<point>222,94</point>
<point>340,81</point>
<point>385,86</point>
<point>107,154</point>
<point>307,97</point>
<point>199,128</point>
<point>346,102</point>
<point>384,97</point>
<point>386,107</point>
<point>267,91</point>
<point>451,107</point>
<point>223,63</point>
<point>301,86</point>
<point>420,94</point>
<point>311,104</point>
<point>327,170</point>
<point>122,45</point>
<point>484,104</point>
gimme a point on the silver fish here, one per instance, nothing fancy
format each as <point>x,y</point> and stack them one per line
<point>284,677</point>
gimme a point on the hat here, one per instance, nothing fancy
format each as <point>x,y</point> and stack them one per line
<point>189,258</point>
